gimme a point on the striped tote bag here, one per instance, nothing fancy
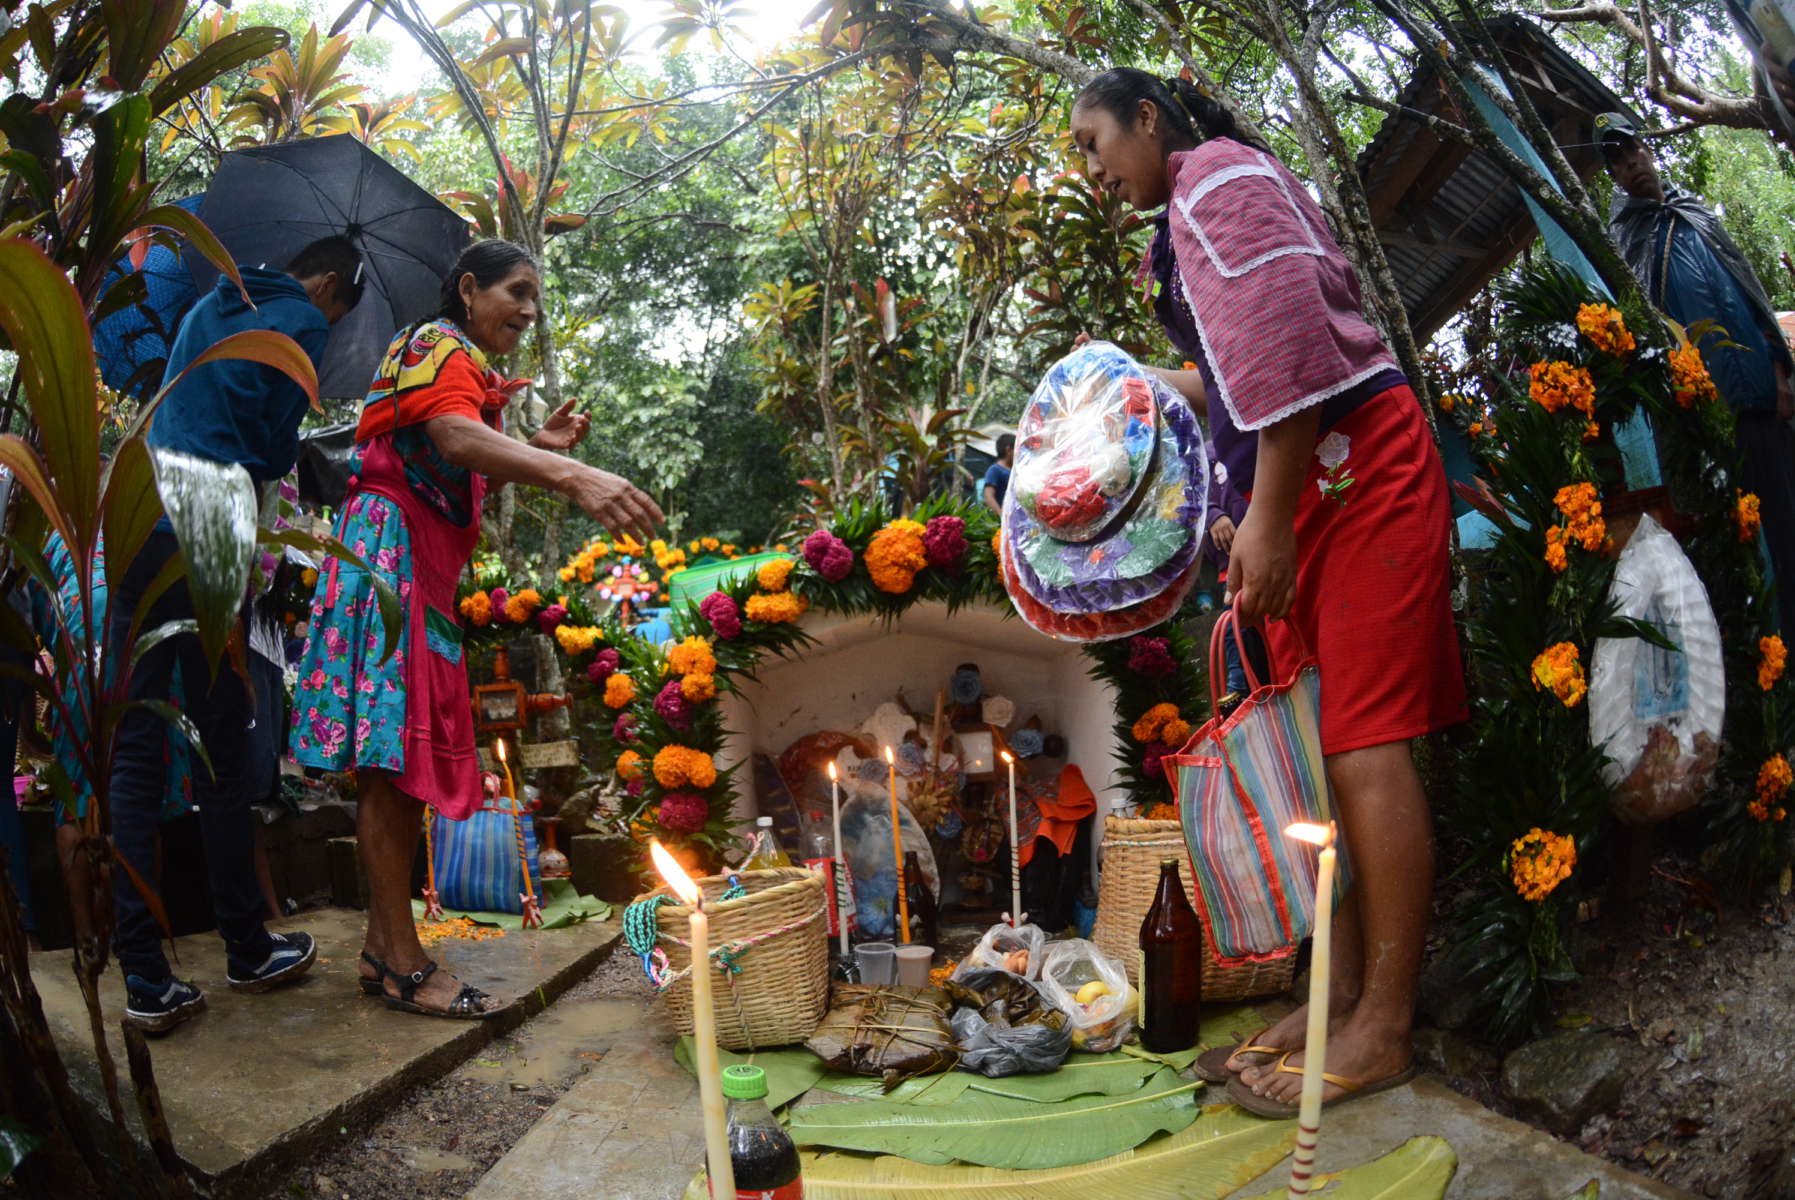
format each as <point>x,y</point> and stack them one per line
<point>478,868</point>
<point>1239,782</point>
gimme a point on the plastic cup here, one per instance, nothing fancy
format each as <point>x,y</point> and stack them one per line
<point>876,962</point>
<point>913,965</point>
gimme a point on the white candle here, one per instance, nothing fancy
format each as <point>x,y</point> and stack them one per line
<point>902,908</point>
<point>841,912</point>
<point>704,1027</point>
<point>1016,913</point>
<point>1315,1045</point>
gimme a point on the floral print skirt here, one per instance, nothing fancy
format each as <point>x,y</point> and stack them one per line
<point>349,708</point>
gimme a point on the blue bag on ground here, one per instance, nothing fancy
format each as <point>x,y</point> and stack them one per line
<point>477,864</point>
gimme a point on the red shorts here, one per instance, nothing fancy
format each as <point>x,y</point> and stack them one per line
<point>1373,581</point>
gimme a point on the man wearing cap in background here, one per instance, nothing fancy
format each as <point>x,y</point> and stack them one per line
<point>1694,272</point>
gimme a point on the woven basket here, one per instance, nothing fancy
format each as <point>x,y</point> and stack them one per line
<point>1132,852</point>
<point>782,990</point>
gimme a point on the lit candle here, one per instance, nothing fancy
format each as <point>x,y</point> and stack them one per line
<point>704,1026</point>
<point>902,906</point>
<point>1016,913</point>
<point>1315,1047</point>
<point>841,912</point>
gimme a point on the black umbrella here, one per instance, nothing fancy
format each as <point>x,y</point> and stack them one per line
<point>268,203</point>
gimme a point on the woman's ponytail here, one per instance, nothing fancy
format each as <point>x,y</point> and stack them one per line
<point>1187,110</point>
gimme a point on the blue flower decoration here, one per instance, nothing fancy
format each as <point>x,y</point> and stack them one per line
<point>951,825</point>
<point>910,758</point>
<point>965,687</point>
<point>870,770</point>
<point>1027,743</point>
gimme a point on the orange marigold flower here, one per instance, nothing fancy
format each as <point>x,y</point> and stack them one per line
<point>1689,376</point>
<point>1606,329</point>
<point>1746,513</point>
<point>697,688</point>
<point>772,575</point>
<point>1448,401</point>
<point>630,764</point>
<point>1775,658</point>
<point>1539,861</point>
<point>477,608</point>
<point>1152,723</point>
<point>1555,556</point>
<point>1774,778</point>
<point>620,689</point>
<point>775,609</point>
<point>1558,385</point>
<point>1559,670</point>
<point>1476,429</point>
<point>1579,503</point>
<point>1592,431</point>
<point>895,555</point>
<point>692,657</point>
<point>679,766</point>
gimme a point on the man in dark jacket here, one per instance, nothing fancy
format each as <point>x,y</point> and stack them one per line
<point>1694,272</point>
<point>230,411</point>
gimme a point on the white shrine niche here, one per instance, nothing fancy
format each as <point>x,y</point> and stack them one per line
<point>859,662</point>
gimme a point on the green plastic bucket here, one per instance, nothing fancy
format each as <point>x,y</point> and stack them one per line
<point>695,583</point>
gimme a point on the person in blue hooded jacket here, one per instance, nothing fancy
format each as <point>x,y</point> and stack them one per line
<point>230,411</point>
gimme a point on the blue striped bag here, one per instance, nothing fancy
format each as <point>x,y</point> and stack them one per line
<point>1239,781</point>
<point>477,864</point>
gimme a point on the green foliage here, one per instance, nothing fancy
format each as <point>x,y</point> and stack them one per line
<point>1528,762</point>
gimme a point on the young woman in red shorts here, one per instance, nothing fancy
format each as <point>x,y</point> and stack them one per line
<point>1345,538</point>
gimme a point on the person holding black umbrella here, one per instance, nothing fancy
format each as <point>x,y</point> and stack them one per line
<point>428,441</point>
<point>228,412</point>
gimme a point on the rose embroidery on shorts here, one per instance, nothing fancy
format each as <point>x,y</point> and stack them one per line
<point>1333,452</point>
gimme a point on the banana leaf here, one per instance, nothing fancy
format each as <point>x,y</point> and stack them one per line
<point>1223,1027</point>
<point>1207,1160</point>
<point>942,1088</point>
<point>1419,1169</point>
<point>1079,1075</point>
<point>791,1070</point>
<point>996,1131</point>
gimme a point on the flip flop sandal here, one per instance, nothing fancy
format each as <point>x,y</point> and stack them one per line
<point>1277,1110</point>
<point>465,1006</point>
<point>1212,1065</point>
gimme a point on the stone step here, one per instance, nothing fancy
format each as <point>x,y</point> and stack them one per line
<point>257,1082</point>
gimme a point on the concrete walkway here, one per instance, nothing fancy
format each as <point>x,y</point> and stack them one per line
<point>255,1082</point>
<point>633,1124</point>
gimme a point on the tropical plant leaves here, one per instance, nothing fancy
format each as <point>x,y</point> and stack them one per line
<point>212,507</point>
<point>943,1088</point>
<point>1079,1075</point>
<point>1221,1150</point>
<point>791,1070</point>
<point>997,1131</point>
<point>1419,1169</point>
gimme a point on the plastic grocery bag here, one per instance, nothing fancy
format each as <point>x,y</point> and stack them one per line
<point>1003,1025</point>
<point>1000,948</point>
<point>1658,712</point>
<point>1105,1018</point>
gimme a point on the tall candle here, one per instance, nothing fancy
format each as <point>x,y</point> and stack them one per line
<point>1016,913</point>
<point>704,1026</point>
<point>902,906</point>
<point>841,912</point>
<point>1315,1046</point>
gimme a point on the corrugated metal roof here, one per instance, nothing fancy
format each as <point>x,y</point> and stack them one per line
<point>1446,237</point>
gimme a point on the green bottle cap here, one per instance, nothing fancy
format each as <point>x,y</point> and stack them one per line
<point>744,1082</point>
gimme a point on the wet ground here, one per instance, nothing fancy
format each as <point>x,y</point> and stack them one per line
<point>1701,993</point>
<point>438,1140</point>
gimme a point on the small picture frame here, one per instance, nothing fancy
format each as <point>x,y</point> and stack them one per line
<point>501,706</point>
<point>978,753</point>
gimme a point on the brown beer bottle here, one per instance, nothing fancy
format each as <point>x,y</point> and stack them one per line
<point>1171,967</point>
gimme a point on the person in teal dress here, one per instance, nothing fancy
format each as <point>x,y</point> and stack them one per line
<point>428,441</point>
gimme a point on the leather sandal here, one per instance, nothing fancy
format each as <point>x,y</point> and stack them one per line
<point>1212,1065</point>
<point>1351,1089</point>
<point>375,986</point>
<point>466,1006</point>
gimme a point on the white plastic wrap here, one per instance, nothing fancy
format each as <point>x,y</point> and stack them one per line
<point>1658,712</point>
<point>999,944</point>
<point>1100,1024</point>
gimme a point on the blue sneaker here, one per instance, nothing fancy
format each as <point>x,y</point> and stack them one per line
<point>159,1007</point>
<point>289,956</point>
